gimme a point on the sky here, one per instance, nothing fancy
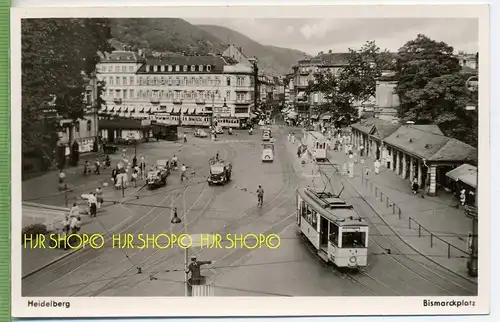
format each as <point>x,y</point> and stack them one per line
<point>315,35</point>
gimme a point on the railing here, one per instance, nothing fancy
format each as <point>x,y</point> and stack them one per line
<point>155,100</point>
<point>422,231</point>
<point>117,100</point>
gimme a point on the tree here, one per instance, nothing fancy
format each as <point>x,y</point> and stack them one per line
<point>57,57</point>
<point>432,89</point>
<point>355,82</point>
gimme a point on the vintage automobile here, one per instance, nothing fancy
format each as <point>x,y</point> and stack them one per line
<point>199,133</point>
<point>220,172</point>
<point>158,176</point>
<point>266,135</point>
<point>267,152</point>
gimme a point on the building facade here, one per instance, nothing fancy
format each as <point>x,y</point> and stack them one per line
<point>140,87</point>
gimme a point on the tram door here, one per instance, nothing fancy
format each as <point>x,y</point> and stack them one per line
<point>323,238</point>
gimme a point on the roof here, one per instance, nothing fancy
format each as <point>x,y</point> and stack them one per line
<point>466,173</point>
<point>433,128</point>
<point>121,123</point>
<point>216,63</point>
<point>376,127</point>
<point>122,56</point>
<point>430,146</point>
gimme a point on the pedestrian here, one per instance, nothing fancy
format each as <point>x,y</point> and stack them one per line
<point>185,138</point>
<point>62,176</point>
<point>414,185</point>
<point>217,156</point>
<point>92,204</point>
<point>260,196</point>
<point>183,172</point>
<point>134,177</point>
<point>462,197</point>
<point>75,225</point>
<point>143,166</point>
<point>97,166</point>
<point>100,200</point>
<point>174,161</point>
<point>134,161</point>
<point>107,162</point>
<point>86,168</point>
<point>376,166</point>
<point>74,211</point>
<point>66,225</point>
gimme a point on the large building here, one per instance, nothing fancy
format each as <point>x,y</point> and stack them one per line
<point>141,87</point>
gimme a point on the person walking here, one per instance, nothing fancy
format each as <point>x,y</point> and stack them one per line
<point>134,161</point>
<point>76,225</point>
<point>97,165</point>
<point>74,211</point>
<point>92,204</point>
<point>414,185</point>
<point>183,172</point>
<point>62,176</point>
<point>376,166</point>
<point>98,193</point>
<point>185,138</point>
<point>134,177</point>
<point>66,225</point>
<point>260,196</point>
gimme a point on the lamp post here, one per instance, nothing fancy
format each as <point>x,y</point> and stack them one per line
<point>177,220</point>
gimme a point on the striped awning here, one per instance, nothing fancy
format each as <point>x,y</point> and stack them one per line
<point>191,110</point>
<point>104,108</point>
<point>169,109</point>
<point>147,109</point>
<point>118,109</point>
<point>141,110</point>
<point>125,109</point>
<point>111,109</point>
<point>176,109</point>
<point>132,110</point>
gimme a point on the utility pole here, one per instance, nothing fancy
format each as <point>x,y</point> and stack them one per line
<point>256,87</point>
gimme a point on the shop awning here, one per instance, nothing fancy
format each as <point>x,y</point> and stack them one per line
<point>191,110</point>
<point>169,109</point>
<point>176,109</point>
<point>104,108</point>
<point>111,109</point>
<point>125,109</point>
<point>465,173</point>
<point>132,110</point>
<point>118,109</point>
<point>147,109</point>
<point>199,110</point>
<point>141,110</point>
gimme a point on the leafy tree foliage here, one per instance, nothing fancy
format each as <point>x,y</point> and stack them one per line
<point>432,89</point>
<point>356,82</point>
<point>57,56</point>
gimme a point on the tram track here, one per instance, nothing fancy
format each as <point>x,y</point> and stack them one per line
<point>251,216</point>
<point>87,256</point>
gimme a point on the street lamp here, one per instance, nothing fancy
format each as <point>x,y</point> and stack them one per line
<point>177,220</point>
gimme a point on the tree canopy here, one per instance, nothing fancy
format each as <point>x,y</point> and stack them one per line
<point>58,56</point>
<point>432,89</point>
<point>355,82</point>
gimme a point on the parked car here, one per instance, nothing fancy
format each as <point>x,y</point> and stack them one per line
<point>199,133</point>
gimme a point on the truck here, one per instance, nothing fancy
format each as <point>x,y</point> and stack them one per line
<point>220,172</point>
<point>158,176</point>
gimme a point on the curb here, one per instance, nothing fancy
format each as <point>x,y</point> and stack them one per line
<point>69,252</point>
<point>44,206</point>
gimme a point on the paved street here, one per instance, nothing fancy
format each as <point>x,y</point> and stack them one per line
<point>290,270</point>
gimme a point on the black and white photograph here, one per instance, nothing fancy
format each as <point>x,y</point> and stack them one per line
<point>242,153</point>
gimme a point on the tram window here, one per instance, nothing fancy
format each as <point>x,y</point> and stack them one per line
<point>353,239</point>
<point>334,234</point>
<point>303,208</point>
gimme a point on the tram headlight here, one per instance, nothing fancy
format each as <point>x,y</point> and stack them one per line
<point>353,259</point>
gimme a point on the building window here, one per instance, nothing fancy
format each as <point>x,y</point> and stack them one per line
<point>177,68</point>
<point>178,81</point>
<point>147,68</point>
<point>200,68</point>
<point>209,81</point>
<point>154,68</point>
<point>155,81</point>
<point>131,80</point>
<point>162,93</point>
<point>169,68</point>
<point>228,81</point>
<point>148,94</point>
<point>132,94</point>
<point>170,80</point>
<point>185,80</point>
<point>124,69</point>
<point>209,68</point>
<point>125,94</point>
<point>124,80</point>
<point>117,80</point>
<point>77,126</point>
<point>162,68</point>
<point>193,68</point>
<point>228,95</point>
<point>163,80</point>
<point>131,68</point>
<point>89,125</point>
<point>184,68</point>
<point>117,68</point>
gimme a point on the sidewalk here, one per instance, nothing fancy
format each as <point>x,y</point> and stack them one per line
<point>437,215</point>
<point>35,259</point>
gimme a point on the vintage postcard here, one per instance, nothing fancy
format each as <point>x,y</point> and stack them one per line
<point>250,161</point>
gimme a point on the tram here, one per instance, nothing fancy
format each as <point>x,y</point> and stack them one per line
<point>316,145</point>
<point>196,120</point>
<point>333,227</point>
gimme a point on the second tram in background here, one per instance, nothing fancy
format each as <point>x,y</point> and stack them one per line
<point>334,228</point>
<point>196,120</point>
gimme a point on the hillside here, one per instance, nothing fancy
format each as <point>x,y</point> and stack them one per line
<point>164,35</point>
<point>270,58</point>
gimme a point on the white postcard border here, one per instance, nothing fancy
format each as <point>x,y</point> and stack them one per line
<point>252,306</point>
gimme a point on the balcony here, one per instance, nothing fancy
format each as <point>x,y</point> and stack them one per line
<point>117,100</point>
<point>200,101</point>
<point>177,101</point>
<point>304,72</point>
<point>155,100</point>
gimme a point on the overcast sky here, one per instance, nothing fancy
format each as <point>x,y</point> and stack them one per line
<point>312,36</point>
